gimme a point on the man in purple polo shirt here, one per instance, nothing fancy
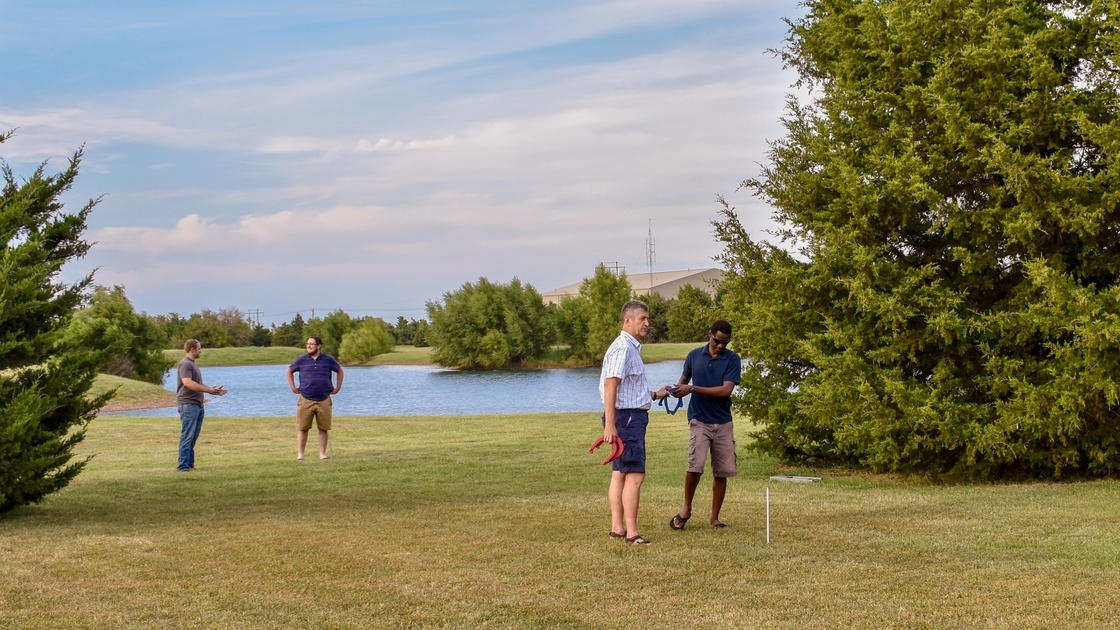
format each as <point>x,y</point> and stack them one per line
<point>315,391</point>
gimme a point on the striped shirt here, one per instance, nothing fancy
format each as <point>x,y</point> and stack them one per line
<point>624,360</point>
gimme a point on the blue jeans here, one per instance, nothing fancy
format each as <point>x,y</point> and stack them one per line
<point>191,415</point>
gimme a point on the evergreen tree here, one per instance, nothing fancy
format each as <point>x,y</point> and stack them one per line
<point>947,298</point>
<point>692,315</point>
<point>290,334</point>
<point>590,321</point>
<point>659,309</point>
<point>44,374</point>
<point>261,337</point>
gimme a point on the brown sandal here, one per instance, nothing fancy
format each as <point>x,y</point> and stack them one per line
<point>637,540</point>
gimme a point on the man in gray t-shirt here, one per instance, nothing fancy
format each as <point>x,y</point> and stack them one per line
<point>189,392</point>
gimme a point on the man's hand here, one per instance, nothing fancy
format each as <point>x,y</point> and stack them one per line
<point>610,433</point>
<point>664,391</point>
<point>683,390</point>
<point>218,391</point>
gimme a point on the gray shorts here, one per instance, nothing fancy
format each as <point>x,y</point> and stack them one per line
<point>717,438</point>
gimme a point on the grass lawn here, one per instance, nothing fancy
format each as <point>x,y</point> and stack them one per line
<point>400,355</point>
<point>501,522</point>
<point>657,352</point>
<point>213,357</point>
<point>132,394</point>
<point>404,355</point>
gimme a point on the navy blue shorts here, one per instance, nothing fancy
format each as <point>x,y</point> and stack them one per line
<point>631,427</point>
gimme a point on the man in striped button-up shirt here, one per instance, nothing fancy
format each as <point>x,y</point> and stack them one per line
<point>626,402</point>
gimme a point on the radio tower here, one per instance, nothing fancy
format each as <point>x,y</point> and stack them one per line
<point>651,255</point>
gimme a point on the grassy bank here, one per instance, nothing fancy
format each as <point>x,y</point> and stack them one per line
<point>215,357</point>
<point>657,352</point>
<point>131,394</point>
<point>401,355</point>
<point>496,522</point>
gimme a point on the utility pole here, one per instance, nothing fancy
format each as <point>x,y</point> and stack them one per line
<point>614,266</point>
<point>254,313</point>
<point>651,255</point>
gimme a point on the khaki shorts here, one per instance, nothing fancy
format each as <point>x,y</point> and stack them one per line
<point>318,409</point>
<point>717,438</point>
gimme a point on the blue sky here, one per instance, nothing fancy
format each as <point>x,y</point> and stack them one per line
<point>371,156</point>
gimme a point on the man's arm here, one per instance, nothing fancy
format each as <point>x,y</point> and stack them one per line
<point>723,391</point>
<point>206,389</point>
<point>610,396</point>
<point>339,385</point>
<point>292,382</point>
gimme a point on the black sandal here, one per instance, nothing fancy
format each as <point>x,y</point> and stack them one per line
<point>637,540</point>
<point>678,521</point>
<point>614,535</point>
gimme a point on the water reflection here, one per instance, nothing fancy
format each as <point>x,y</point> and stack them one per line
<point>261,390</point>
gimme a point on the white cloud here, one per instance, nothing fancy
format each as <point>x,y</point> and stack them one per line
<point>401,169</point>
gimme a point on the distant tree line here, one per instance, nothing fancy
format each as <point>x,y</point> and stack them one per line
<point>485,325</point>
<point>132,343</point>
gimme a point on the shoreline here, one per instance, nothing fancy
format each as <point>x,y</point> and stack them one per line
<point>133,396</point>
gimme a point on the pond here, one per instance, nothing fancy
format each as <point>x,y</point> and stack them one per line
<point>262,390</point>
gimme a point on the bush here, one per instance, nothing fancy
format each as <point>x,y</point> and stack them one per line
<point>365,342</point>
<point>330,329</point>
<point>489,326</point>
<point>133,342</point>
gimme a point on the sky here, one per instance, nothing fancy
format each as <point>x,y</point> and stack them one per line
<point>282,157</point>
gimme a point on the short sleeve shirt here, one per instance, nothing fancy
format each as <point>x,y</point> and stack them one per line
<point>315,375</point>
<point>708,371</point>
<point>623,360</point>
<point>188,369</point>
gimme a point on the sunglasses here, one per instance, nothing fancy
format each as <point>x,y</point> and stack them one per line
<point>717,341</point>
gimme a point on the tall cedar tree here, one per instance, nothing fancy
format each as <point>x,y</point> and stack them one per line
<point>950,198</point>
<point>44,374</point>
<point>589,322</point>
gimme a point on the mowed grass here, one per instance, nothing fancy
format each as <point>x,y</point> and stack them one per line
<point>402,355</point>
<point>215,357</point>
<point>131,394</point>
<point>252,355</point>
<point>657,352</point>
<point>501,522</point>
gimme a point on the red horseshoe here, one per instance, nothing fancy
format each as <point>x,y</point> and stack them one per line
<point>617,448</point>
